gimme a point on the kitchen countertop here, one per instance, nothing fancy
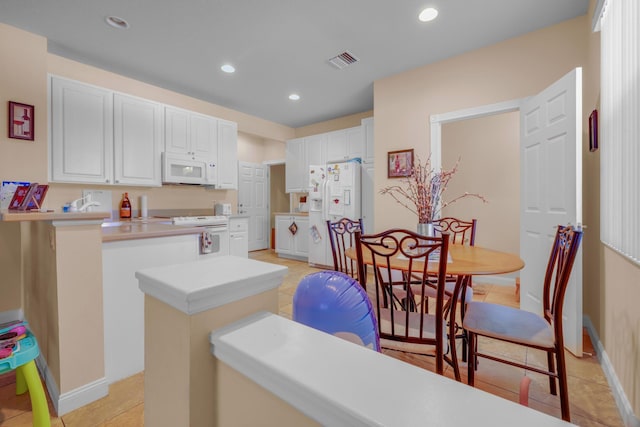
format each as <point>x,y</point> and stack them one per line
<point>51,216</point>
<point>292,213</point>
<point>147,228</point>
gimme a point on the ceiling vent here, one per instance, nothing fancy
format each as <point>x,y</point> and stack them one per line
<point>343,60</point>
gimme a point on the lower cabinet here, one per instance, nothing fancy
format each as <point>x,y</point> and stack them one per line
<point>239,237</point>
<point>123,301</point>
<point>292,236</point>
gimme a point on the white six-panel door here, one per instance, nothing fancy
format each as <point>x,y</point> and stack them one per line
<point>253,201</point>
<point>551,192</point>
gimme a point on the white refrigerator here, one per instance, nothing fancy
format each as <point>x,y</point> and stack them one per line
<point>334,193</point>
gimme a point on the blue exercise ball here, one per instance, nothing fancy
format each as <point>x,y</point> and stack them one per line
<point>335,303</point>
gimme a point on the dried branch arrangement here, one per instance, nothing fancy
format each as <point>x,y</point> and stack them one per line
<point>423,189</point>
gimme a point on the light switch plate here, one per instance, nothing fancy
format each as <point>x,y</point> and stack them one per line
<point>101,196</point>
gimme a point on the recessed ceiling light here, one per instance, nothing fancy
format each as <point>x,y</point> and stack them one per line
<point>429,14</point>
<point>228,68</point>
<point>116,22</point>
<point>294,97</point>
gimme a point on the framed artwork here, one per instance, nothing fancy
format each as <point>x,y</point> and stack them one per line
<point>21,121</point>
<point>399,163</point>
<point>593,130</point>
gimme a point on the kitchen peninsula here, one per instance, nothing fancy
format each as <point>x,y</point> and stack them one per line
<point>53,269</point>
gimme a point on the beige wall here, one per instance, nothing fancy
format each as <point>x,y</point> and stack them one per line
<point>10,266</point>
<point>488,149</point>
<point>23,79</point>
<point>331,125</point>
<point>255,149</point>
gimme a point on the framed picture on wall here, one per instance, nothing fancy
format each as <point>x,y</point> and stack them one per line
<point>21,121</point>
<point>399,163</point>
<point>593,130</point>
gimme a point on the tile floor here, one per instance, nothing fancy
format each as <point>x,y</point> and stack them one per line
<point>592,403</point>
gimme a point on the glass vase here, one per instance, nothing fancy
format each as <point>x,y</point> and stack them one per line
<point>426,229</point>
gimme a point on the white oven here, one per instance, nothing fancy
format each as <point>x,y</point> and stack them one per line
<point>214,238</point>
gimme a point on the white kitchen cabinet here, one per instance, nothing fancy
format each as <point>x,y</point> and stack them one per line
<point>315,153</point>
<point>295,166</point>
<point>288,244</point>
<point>81,133</point>
<point>367,129</point>
<point>137,141</point>
<point>102,137</point>
<point>123,301</point>
<point>345,144</point>
<point>227,155</point>
<point>239,236</point>
<point>190,133</point>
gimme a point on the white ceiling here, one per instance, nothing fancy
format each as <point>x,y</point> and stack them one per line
<point>277,46</point>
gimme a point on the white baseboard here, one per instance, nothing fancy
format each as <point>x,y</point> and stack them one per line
<point>624,406</point>
<point>72,400</point>
<point>8,316</point>
<point>495,280</point>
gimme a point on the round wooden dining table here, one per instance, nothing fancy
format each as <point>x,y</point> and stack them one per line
<point>464,261</point>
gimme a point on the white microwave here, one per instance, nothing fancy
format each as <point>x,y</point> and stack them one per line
<point>183,169</point>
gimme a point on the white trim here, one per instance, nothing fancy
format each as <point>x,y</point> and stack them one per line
<point>10,315</point>
<point>502,280</point>
<point>624,406</point>
<point>82,396</point>
<point>274,162</point>
<point>72,400</point>
<point>598,12</point>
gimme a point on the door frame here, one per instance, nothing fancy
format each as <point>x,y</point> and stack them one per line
<point>270,163</point>
<point>437,120</point>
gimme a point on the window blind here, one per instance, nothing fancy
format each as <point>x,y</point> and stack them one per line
<point>620,127</point>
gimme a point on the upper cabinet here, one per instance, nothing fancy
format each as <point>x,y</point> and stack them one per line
<point>99,136</point>
<point>103,138</point>
<point>345,144</point>
<point>367,129</point>
<point>137,140</point>
<point>190,133</point>
<point>227,155</point>
<point>295,160</point>
<point>81,133</point>
<point>320,149</point>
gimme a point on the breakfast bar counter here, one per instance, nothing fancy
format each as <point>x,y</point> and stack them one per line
<point>137,229</point>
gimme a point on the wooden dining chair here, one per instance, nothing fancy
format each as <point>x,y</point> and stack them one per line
<point>542,332</point>
<point>462,233</point>
<point>342,237</point>
<point>402,326</point>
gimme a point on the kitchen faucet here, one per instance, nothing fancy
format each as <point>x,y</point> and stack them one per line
<point>87,203</point>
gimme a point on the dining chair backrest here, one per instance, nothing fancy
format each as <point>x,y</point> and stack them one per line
<point>342,237</point>
<point>462,232</point>
<point>403,324</point>
<point>556,279</point>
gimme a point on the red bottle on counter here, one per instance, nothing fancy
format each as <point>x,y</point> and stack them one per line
<point>125,207</point>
